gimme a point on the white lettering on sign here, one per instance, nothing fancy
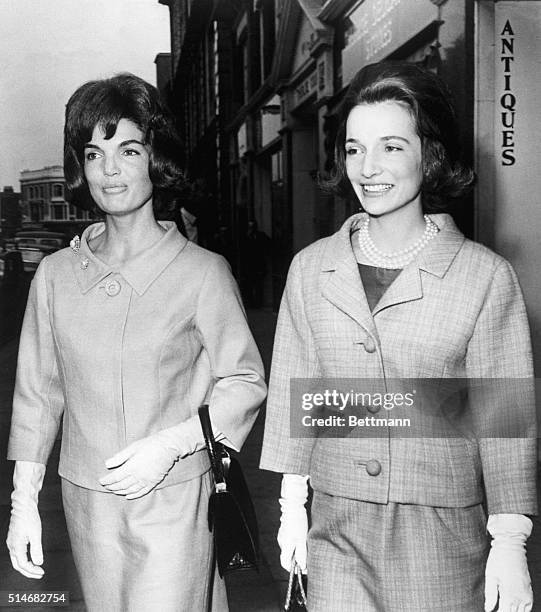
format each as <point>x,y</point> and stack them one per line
<point>382,8</point>
<point>375,28</point>
<point>374,24</point>
<point>377,41</point>
<point>508,100</point>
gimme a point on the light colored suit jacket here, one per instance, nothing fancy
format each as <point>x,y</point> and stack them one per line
<point>122,353</point>
<point>455,312</point>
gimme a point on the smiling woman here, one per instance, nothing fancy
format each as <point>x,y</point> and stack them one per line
<point>384,157</point>
<point>398,522</point>
<point>126,334</point>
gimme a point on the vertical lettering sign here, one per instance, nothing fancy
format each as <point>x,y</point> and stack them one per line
<point>508,100</point>
<point>517,90</point>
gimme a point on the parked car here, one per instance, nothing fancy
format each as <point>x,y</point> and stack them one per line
<point>34,245</point>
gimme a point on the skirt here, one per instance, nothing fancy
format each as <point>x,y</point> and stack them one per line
<point>146,554</point>
<point>395,557</point>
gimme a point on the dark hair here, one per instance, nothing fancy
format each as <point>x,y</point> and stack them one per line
<point>430,103</point>
<point>105,103</point>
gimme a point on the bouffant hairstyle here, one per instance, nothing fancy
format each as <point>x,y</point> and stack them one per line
<point>104,103</point>
<point>430,103</point>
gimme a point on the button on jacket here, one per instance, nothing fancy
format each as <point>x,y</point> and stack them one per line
<point>456,312</point>
<point>121,353</point>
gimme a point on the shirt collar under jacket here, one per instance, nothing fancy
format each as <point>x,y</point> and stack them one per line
<point>140,272</point>
<point>435,258</point>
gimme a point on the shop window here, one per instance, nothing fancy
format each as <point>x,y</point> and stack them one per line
<point>255,49</point>
<point>270,122</point>
<point>277,175</point>
<point>245,71</point>
<point>241,70</point>
<point>58,212</point>
<point>342,31</point>
<point>36,211</point>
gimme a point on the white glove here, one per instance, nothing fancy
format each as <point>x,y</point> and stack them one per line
<point>138,468</point>
<point>25,523</point>
<point>293,532</point>
<point>506,572</point>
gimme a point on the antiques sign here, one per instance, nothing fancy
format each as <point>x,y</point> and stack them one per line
<point>517,88</point>
<point>376,28</point>
<point>508,100</point>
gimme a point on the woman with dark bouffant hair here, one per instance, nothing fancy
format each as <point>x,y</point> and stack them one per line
<point>398,298</point>
<point>126,334</point>
<point>126,96</point>
<point>429,102</point>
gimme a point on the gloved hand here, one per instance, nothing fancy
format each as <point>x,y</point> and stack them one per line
<point>142,465</point>
<point>293,532</point>
<point>506,571</point>
<point>25,524</point>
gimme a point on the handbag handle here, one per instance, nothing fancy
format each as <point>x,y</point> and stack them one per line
<point>295,579</point>
<point>214,452</point>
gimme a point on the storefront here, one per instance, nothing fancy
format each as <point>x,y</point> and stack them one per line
<point>486,51</point>
<point>284,146</point>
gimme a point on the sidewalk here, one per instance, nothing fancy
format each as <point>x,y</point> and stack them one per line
<point>248,591</point>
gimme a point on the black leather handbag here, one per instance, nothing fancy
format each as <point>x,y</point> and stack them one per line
<point>231,513</point>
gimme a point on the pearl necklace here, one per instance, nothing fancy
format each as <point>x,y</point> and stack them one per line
<point>396,259</point>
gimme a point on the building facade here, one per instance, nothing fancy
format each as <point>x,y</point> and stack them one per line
<point>256,89</point>
<point>43,201</point>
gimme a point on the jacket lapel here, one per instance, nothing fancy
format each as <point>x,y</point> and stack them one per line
<point>435,259</point>
<point>405,288</point>
<point>439,254</point>
<point>340,280</point>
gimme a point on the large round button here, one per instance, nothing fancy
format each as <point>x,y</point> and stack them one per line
<point>373,409</point>
<point>112,288</point>
<point>369,345</point>
<point>373,467</point>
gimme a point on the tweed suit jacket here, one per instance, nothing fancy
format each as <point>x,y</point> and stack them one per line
<point>116,354</point>
<point>455,312</point>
